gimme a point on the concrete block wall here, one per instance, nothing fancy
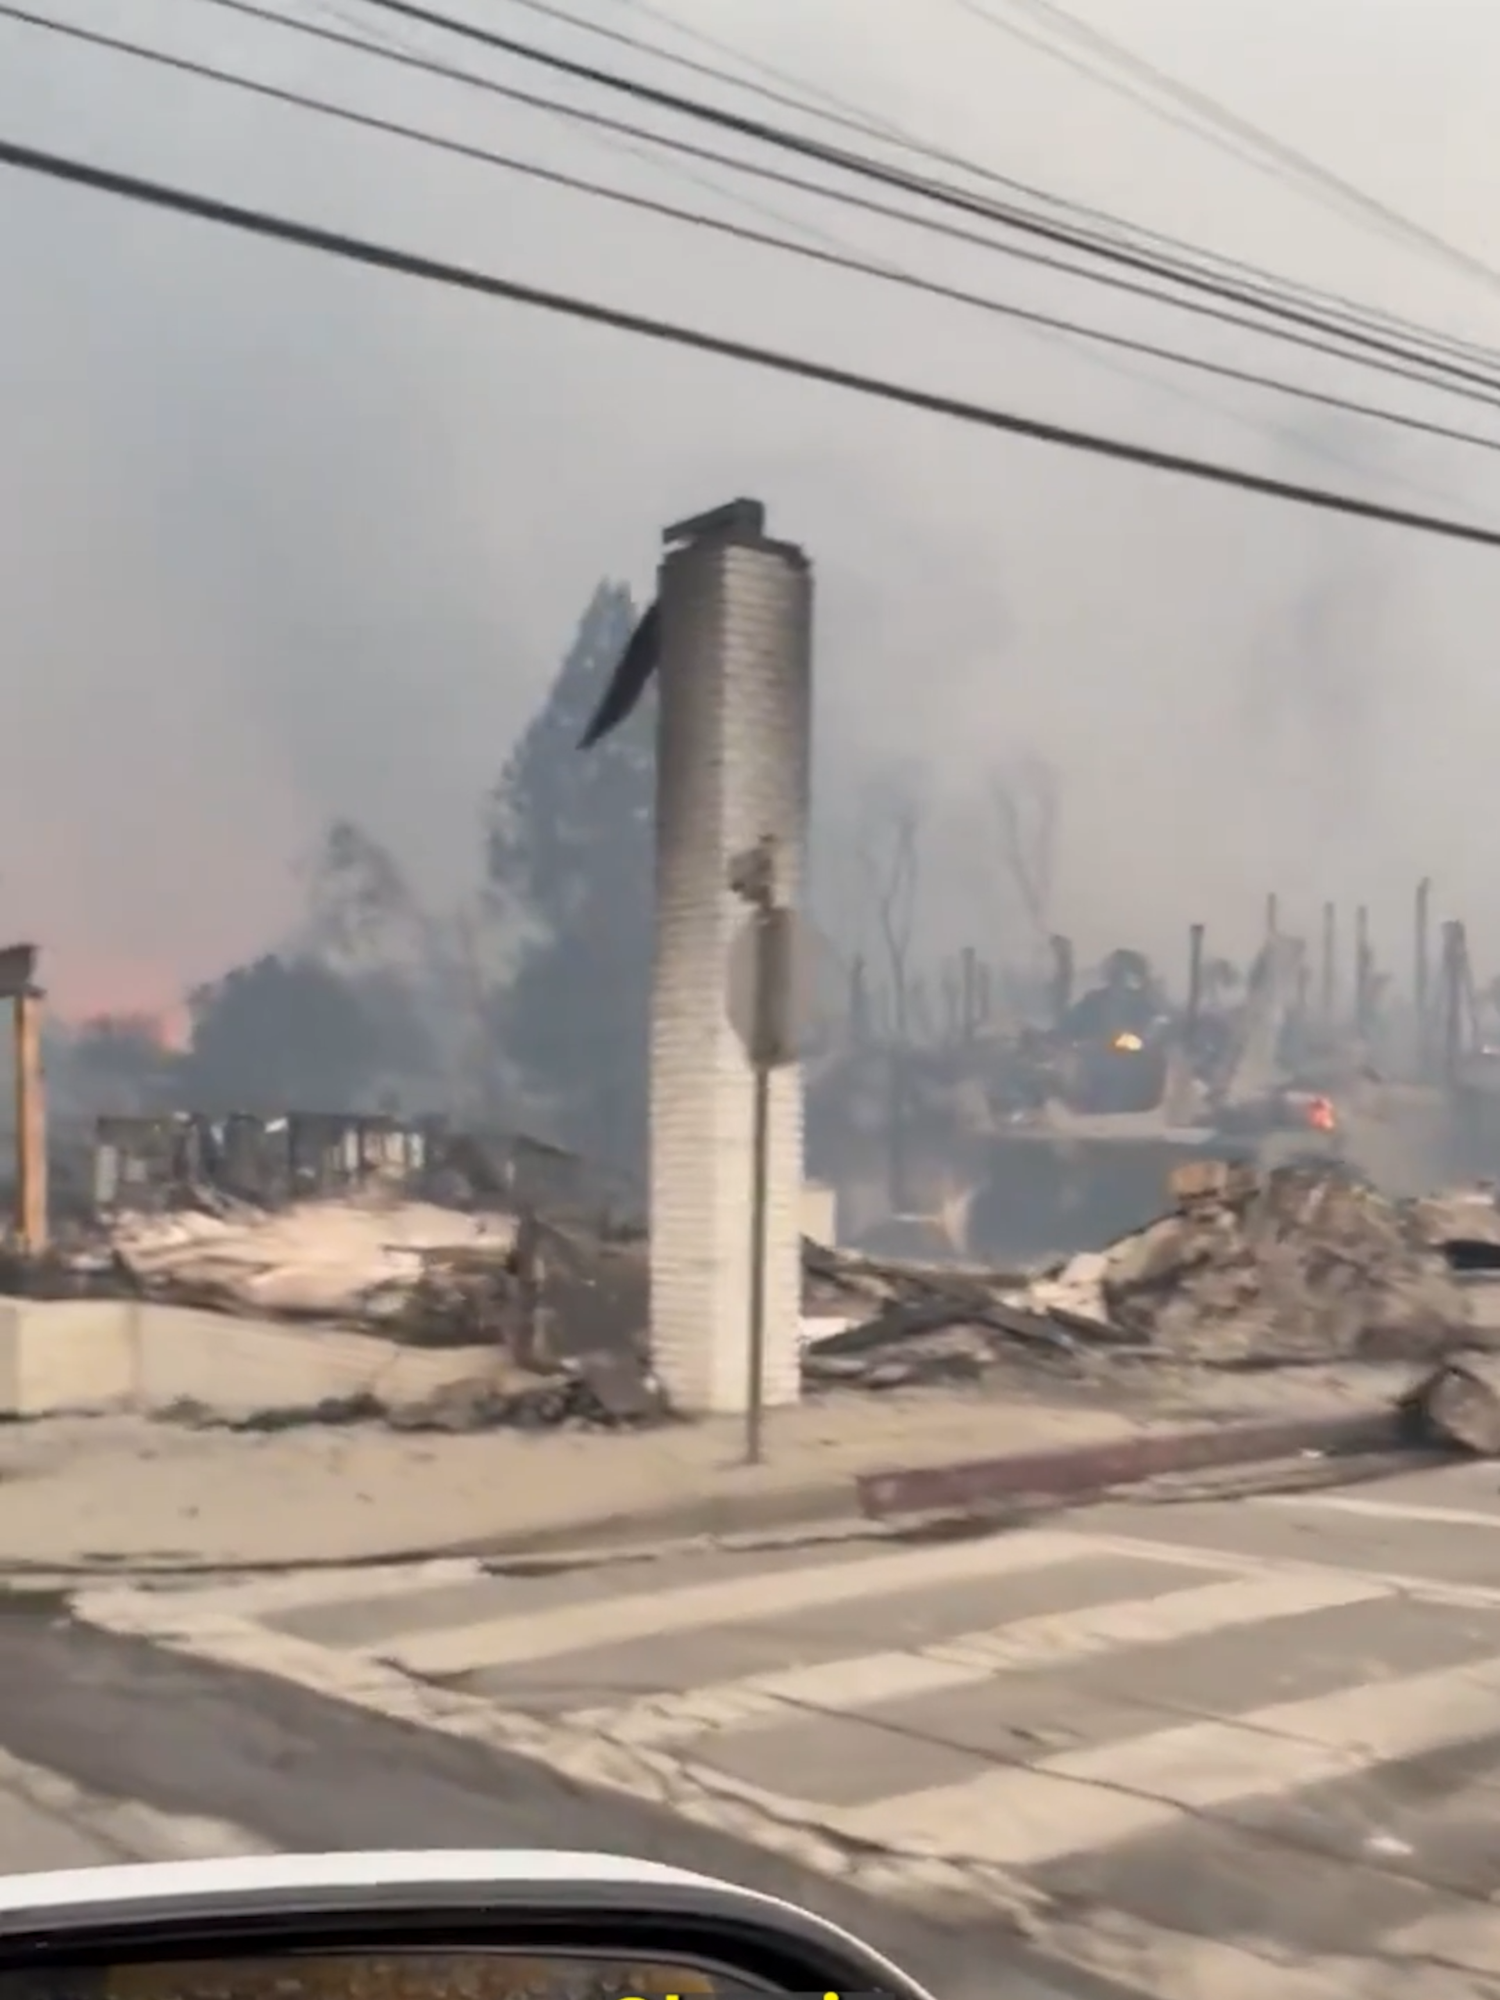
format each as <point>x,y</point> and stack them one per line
<point>65,1355</point>
<point>734,750</point>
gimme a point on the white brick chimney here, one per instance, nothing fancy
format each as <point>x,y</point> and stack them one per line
<point>733,763</point>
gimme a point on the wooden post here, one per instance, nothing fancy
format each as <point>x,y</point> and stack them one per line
<point>1190,1026</point>
<point>31,1124</point>
<point>1421,977</point>
<point>1364,966</point>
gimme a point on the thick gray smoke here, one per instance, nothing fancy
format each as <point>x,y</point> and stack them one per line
<point>284,542</point>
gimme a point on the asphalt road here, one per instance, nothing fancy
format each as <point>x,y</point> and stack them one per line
<point>117,1750</point>
<point>1239,1743</point>
<point>1201,1744</point>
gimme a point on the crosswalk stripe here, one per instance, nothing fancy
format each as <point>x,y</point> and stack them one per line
<point>1052,1639</point>
<point>1468,1939</point>
<point>737,1600</point>
<point>1382,1510</point>
<point>304,1590</point>
<point>1023,1816</point>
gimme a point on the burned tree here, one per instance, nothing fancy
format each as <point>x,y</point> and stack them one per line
<point>1024,798</point>
<point>889,851</point>
<point>889,856</point>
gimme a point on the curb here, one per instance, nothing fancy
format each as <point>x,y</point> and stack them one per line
<point>1070,1475</point>
<point>815,1505</point>
<point>1075,1471</point>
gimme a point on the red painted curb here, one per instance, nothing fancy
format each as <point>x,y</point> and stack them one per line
<point>1075,1470</point>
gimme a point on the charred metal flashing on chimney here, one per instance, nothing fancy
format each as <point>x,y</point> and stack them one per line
<point>737,524</point>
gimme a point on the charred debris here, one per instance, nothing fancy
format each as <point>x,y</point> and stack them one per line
<point>432,1238</point>
<point>1096,1191</point>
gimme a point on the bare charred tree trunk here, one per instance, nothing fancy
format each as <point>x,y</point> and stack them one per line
<point>890,855</point>
<point>1025,801</point>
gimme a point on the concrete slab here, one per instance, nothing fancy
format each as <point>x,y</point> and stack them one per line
<point>65,1356</point>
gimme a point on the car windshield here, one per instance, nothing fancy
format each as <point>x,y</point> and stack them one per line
<point>750,980</point>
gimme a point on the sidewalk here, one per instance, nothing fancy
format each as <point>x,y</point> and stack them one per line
<point>118,1490</point>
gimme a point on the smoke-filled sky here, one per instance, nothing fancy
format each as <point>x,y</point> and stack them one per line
<point>282,539</point>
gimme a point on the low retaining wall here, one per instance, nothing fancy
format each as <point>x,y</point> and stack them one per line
<point>84,1356</point>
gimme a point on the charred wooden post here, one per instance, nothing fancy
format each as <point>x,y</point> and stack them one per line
<point>1194,1014</point>
<point>1455,983</point>
<point>1421,942</point>
<point>1363,968</point>
<point>31,1125</point>
<point>1328,967</point>
<point>969,987</point>
<point>530,1344</point>
<point>18,985</point>
<point>1060,998</point>
<point>861,1028</point>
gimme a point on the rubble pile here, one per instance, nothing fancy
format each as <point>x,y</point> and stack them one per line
<point>903,1325</point>
<point>562,1307</point>
<point>1303,1264</point>
<point>599,1391</point>
<point>379,1263</point>
<point>1458,1216</point>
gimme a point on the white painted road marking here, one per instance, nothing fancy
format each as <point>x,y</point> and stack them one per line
<point>1383,1510</point>
<point>1025,1815</point>
<point>524,1638</point>
<point>1055,1639</point>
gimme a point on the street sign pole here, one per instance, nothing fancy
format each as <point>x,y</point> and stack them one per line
<point>770,1006</point>
<point>760,1174</point>
<point>752,877</point>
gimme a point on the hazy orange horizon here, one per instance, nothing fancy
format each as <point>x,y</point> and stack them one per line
<point>81,987</point>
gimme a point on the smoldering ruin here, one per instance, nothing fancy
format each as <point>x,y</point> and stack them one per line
<point>1023,1174</point>
<point>1126,1195</point>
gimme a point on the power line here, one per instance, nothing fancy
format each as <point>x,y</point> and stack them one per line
<point>1420,373</point>
<point>815,97</point>
<point>845,197</point>
<point>838,114</point>
<point>634,148</point>
<point>376,256</point>
<point>834,259</point>
<point>1270,153</point>
<point>608,134</point>
<point>942,193</point>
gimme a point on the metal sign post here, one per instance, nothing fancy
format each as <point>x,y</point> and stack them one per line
<point>760,1167</point>
<point>783,981</point>
<point>760,971</point>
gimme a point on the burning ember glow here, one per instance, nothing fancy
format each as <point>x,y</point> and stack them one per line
<point>1321,1115</point>
<point>1129,1044</point>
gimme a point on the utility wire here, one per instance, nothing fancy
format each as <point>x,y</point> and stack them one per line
<point>377,256</point>
<point>800,225</point>
<point>600,121</point>
<point>848,198</point>
<point>1228,126</point>
<point>1151,380</point>
<point>816,101</point>
<point>834,259</point>
<point>942,193</point>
